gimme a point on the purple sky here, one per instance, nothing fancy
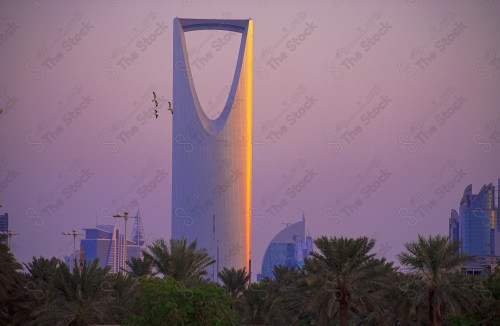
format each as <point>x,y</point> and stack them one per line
<point>402,112</point>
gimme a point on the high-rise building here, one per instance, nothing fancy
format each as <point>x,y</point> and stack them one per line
<point>288,248</point>
<point>105,242</point>
<point>4,227</point>
<point>477,227</point>
<point>102,242</point>
<point>212,159</point>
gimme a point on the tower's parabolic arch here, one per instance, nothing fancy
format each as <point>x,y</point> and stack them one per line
<point>212,159</point>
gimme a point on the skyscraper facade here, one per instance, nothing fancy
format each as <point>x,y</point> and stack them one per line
<point>477,226</point>
<point>288,248</point>
<point>212,159</point>
<point>105,242</point>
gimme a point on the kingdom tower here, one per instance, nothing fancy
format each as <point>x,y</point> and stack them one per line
<point>212,159</point>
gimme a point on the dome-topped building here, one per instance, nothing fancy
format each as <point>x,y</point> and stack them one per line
<point>288,248</point>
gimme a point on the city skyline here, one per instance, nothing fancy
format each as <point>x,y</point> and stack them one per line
<point>369,117</point>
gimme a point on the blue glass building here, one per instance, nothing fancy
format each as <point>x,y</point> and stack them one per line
<point>105,243</point>
<point>102,242</point>
<point>477,226</point>
<point>288,248</point>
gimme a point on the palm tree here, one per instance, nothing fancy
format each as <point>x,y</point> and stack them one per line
<point>9,267</point>
<point>74,295</point>
<point>140,267</point>
<point>405,301</point>
<point>33,303</point>
<point>256,303</point>
<point>344,272</point>
<point>82,295</point>
<point>272,302</point>
<point>122,296</point>
<point>69,297</point>
<point>286,274</point>
<point>183,262</point>
<point>235,280</point>
<point>290,297</point>
<point>436,262</point>
<point>43,269</point>
<point>10,280</point>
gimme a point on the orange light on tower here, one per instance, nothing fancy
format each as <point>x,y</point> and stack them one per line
<point>249,104</point>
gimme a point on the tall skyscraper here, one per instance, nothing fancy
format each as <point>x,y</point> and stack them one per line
<point>4,227</point>
<point>212,159</point>
<point>477,226</point>
<point>288,248</point>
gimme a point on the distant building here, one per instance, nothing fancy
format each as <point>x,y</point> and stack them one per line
<point>4,227</point>
<point>288,248</point>
<point>477,227</point>
<point>138,231</point>
<point>105,242</point>
<point>102,242</point>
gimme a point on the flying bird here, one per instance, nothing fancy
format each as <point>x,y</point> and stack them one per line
<point>1,111</point>
<point>155,99</point>
<point>156,113</point>
<point>170,107</point>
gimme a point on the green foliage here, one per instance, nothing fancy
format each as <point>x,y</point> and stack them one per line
<point>10,281</point>
<point>56,294</point>
<point>433,255</point>
<point>488,312</point>
<point>442,288</point>
<point>255,304</point>
<point>167,302</point>
<point>235,280</point>
<point>273,302</point>
<point>140,267</point>
<point>9,267</point>
<point>342,273</point>
<point>343,278</point>
<point>183,262</point>
<point>459,320</point>
<point>493,283</point>
<point>43,269</point>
